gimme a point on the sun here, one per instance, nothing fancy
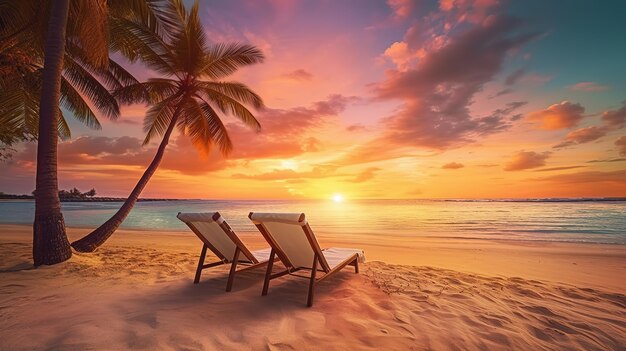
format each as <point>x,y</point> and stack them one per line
<point>338,198</point>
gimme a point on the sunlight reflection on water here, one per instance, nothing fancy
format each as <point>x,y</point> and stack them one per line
<point>600,222</point>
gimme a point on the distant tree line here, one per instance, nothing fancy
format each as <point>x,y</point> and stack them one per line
<point>74,193</point>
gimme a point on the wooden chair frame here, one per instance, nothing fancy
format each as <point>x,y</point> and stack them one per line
<point>318,258</point>
<point>234,261</point>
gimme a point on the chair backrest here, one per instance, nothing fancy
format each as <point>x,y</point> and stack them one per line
<point>216,234</point>
<point>291,237</point>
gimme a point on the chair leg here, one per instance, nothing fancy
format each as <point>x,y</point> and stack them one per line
<point>268,273</point>
<point>356,265</point>
<point>309,301</point>
<point>200,264</point>
<point>233,269</point>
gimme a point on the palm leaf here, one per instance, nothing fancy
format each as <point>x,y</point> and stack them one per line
<point>228,105</point>
<point>216,129</point>
<point>159,116</point>
<point>72,101</point>
<point>89,86</point>
<point>225,59</point>
<point>237,91</point>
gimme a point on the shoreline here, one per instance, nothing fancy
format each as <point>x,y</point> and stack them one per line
<point>587,264</point>
<point>513,241</point>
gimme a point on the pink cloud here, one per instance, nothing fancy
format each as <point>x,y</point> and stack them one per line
<point>284,132</point>
<point>300,75</point>
<point>588,87</point>
<point>583,135</point>
<point>615,119</point>
<point>558,116</point>
<point>527,160</point>
<point>440,88</point>
<point>402,8</point>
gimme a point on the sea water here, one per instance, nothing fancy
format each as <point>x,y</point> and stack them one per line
<point>533,220</point>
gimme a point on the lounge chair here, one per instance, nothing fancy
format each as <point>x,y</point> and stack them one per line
<point>293,241</point>
<point>218,237</point>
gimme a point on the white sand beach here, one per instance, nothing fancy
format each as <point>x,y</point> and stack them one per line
<point>136,293</point>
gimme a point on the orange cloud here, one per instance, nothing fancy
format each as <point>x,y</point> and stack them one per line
<point>452,165</point>
<point>366,175</point>
<point>527,160</point>
<point>583,135</point>
<point>616,177</point>
<point>558,116</point>
<point>615,119</point>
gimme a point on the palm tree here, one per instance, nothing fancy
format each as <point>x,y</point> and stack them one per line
<point>65,46</point>
<point>189,97</point>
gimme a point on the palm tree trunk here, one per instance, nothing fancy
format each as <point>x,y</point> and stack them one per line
<point>96,238</point>
<point>50,244</point>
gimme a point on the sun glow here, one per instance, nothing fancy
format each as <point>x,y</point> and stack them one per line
<point>338,198</point>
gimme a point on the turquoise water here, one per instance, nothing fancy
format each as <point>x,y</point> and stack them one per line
<point>589,221</point>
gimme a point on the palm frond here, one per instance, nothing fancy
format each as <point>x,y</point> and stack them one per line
<point>158,117</point>
<point>136,42</point>
<point>237,91</point>
<point>63,127</point>
<point>228,105</point>
<point>189,45</point>
<point>89,86</point>
<point>216,129</point>
<point>87,28</point>
<point>72,101</point>
<point>225,59</point>
<point>152,91</point>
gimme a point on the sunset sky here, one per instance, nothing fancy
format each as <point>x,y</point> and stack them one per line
<point>396,99</point>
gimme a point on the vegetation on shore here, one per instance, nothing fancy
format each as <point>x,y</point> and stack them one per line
<point>74,195</point>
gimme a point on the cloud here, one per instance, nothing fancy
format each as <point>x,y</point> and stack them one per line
<point>402,8</point>
<point>588,87</point>
<point>594,177</point>
<point>400,54</point>
<point>583,135</point>
<point>285,132</point>
<point>557,168</point>
<point>472,11</point>
<point>452,165</point>
<point>615,119</point>
<point>621,145</point>
<point>365,175</point>
<point>501,92</point>
<point>298,75</point>
<point>438,90</point>
<point>289,174</point>
<point>612,120</point>
<point>509,109</point>
<point>356,128</point>
<point>558,116</point>
<point>527,160</point>
<point>608,160</point>
<point>512,78</point>
<point>180,154</point>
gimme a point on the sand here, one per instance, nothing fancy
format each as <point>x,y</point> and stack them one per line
<point>136,293</point>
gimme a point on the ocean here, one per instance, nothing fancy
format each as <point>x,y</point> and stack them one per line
<point>529,220</point>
